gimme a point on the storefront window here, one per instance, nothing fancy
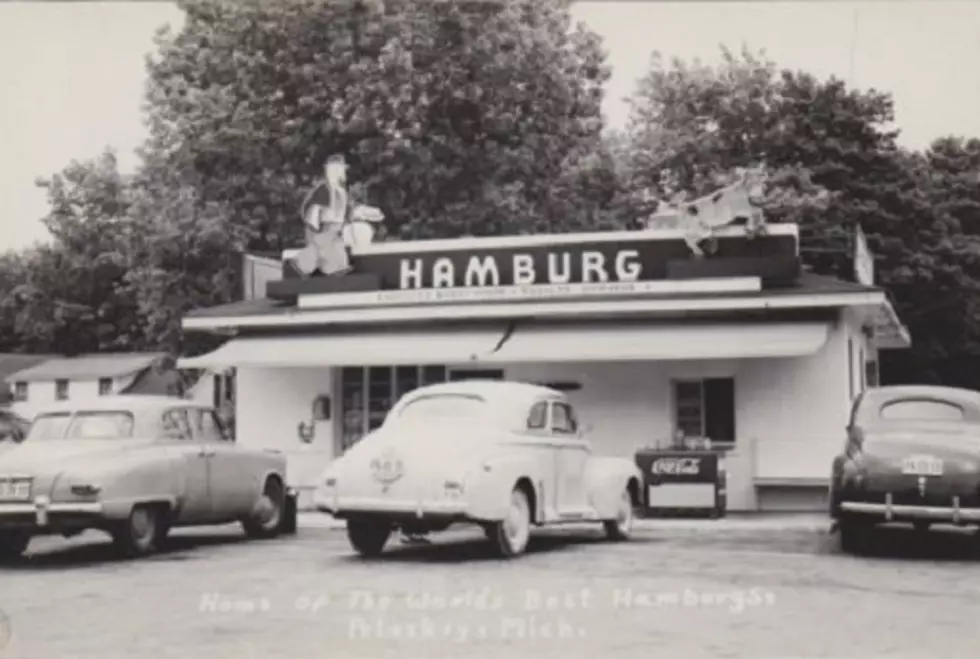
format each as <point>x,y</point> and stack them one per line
<point>705,409</point>
<point>368,393</point>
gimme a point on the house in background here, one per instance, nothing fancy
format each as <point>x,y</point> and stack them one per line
<point>90,376</point>
<point>11,363</point>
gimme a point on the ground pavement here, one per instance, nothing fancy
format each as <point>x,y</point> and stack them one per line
<point>762,587</point>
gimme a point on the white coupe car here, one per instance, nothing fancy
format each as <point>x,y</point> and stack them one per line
<point>505,455</point>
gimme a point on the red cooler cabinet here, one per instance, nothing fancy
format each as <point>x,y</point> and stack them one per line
<point>682,483</point>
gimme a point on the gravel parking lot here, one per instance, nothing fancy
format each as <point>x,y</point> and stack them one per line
<point>678,590</point>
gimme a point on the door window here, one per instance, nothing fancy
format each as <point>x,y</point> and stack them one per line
<point>206,426</point>
<point>174,425</point>
<point>537,419</point>
<point>563,419</point>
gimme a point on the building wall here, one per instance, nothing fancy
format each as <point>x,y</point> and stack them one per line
<point>269,406</point>
<point>790,413</point>
<point>42,392</point>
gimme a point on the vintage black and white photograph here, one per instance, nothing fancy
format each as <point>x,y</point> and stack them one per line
<point>489,329</point>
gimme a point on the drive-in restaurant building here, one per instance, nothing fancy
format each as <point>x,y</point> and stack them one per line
<point>743,347</point>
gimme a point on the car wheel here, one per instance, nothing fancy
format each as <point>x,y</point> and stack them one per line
<point>619,529</point>
<point>368,538</point>
<point>140,533</point>
<point>290,515</point>
<point>267,518</point>
<point>510,536</point>
<point>854,535</point>
<point>13,544</point>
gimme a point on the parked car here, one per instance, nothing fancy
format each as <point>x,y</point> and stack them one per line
<point>136,466</point>
<point>912,455</point>
<point>507,456</point>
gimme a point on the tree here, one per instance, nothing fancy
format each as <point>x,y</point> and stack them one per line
<point>71,295</point>
<point>457,117</point>
<point>692,124</point>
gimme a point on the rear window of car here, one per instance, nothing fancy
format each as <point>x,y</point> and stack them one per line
<point>443,407</point>
<point>83,425</point>
<point>921,410</point>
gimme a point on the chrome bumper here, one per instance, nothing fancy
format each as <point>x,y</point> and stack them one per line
<point>333,505</point>
<point>890,511</point>
<point>42,508</point>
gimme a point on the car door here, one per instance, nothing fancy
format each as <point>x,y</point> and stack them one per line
<point>573,456</point>
<point>176,432</point>
<point>539,440</point>
<point>234,481</point>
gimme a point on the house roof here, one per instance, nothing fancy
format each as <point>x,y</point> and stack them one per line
<point>11,363</point>
<point>87,367</point>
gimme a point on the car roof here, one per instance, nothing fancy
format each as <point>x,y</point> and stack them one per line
<point>953,394</point>
<point>132,402</point>
<point>499,390</point>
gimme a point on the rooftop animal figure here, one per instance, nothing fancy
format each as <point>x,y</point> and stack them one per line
<point>701,217</point>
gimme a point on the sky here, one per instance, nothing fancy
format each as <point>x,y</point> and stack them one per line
<point>72,74</point>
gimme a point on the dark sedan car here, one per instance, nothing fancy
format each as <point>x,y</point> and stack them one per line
<point>912,455</point>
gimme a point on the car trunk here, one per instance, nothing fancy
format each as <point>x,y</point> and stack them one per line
<point>923,465</point>
<point>410,463</point>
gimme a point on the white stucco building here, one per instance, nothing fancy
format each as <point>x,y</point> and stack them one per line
<point>742,347</point>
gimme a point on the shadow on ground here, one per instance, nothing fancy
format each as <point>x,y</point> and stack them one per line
<point>98,551</point>
<point>903,543</point>
<point>476,548</point>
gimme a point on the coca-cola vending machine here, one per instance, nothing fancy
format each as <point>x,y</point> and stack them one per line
<point>688,483</point>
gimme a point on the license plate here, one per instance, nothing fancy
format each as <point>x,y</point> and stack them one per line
<point>922,465</point>
<point>15,489</point>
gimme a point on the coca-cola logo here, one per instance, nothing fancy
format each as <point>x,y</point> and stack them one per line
<point>676,466</point>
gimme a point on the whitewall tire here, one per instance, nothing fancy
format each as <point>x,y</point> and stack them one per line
<point>511,535</point>
<point>140,534</point>
<point>621,528</point>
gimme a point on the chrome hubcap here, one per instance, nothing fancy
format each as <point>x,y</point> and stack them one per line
<point>625,517</point>
<point>268,511</point>
<point>142,524</point>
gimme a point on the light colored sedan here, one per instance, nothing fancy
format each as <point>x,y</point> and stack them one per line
<point>136,466</point>
<point>508,456</point>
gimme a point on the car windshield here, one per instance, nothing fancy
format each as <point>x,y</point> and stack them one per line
<point>443,409</point>
<point>82,425</point>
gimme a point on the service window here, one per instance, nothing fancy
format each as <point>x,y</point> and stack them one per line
<point>563,419</point>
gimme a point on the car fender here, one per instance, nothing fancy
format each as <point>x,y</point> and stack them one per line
<point>489,484</point>
<point>605,480</point>
<point>127,483</point>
